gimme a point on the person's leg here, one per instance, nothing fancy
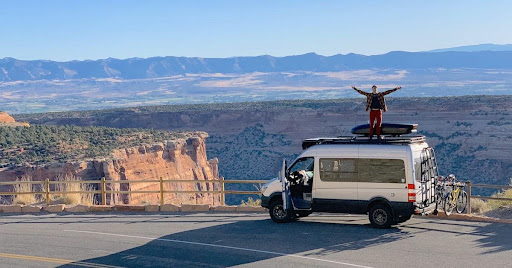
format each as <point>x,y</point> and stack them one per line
<point>379,122</point>
<point>372,119</point>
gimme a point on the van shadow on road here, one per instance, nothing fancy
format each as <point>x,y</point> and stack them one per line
<point>307,238</point>
<point>316,238</point>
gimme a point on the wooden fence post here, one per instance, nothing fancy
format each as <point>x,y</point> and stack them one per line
<point>103,192</point>
<point>161,191</point>
<point>222,194</point>
<point>468,186</point>
<point>47,191</point>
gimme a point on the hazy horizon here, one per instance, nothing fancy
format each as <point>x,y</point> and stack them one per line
<point>64,30</point>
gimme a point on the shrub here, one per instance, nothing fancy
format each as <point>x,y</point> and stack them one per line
<point>495,204</point>
<point>251,202</point>
<point>478,205</point>
<point>22,187</point>
<point>70,183</point>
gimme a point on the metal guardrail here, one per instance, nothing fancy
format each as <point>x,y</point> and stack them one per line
<point>103,188</point>
<point>469,186</point>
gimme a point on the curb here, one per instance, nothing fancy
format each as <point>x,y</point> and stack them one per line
<point>468,217</point>
<point>31,209</point>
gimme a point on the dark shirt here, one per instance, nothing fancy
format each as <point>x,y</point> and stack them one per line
<point>375,102</point>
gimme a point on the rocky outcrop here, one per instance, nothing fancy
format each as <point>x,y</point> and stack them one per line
<point>180,159</point>
<point>7,120</point>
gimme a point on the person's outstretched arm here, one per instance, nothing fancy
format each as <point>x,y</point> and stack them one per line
<point>361,92</point>
<point>391,90</point>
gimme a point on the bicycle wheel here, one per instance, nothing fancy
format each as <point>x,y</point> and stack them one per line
<point>462,201</point>
<point>449,204</point>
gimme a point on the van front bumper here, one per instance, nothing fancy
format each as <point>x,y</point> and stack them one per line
<point>265,200</point>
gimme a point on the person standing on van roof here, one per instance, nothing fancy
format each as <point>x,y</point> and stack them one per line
<point>376,103</point>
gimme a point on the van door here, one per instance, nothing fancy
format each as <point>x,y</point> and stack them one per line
<point>335,180</point>
<point>300,179</point>
<point>286,186</point>
<point>385,177</point>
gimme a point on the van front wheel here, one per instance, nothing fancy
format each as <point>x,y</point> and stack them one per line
<point>277,212</point>
<point>380,216</point>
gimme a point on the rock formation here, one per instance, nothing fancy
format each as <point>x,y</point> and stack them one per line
<point>180,159</point>
<point>7,120</point>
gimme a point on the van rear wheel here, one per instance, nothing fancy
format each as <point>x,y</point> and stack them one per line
<point>380,216</point>
<point>277,212</point>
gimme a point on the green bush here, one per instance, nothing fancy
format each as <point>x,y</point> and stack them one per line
<point>41,144</point>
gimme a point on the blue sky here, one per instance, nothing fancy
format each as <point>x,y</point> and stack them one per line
<point>67,30</point>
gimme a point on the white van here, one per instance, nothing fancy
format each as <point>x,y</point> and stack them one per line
<point>389,179</point>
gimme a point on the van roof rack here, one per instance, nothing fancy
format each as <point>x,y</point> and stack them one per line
<point>409,139</point>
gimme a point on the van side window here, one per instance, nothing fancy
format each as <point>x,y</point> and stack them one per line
<point>417,168</point>
<point>362,170</point>
<point>382,170</point>
<point>338,170</point>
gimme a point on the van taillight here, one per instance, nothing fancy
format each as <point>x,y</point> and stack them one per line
<point>411,196</point>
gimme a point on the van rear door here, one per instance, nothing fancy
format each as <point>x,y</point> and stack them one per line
<point>426,176</point>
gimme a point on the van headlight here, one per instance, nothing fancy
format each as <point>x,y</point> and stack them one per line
<point>264,188</point>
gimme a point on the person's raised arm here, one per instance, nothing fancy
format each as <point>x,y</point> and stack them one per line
<point>361,92</point>
<point>391,90</point>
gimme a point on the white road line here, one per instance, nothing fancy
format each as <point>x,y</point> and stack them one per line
<point>221,246</point>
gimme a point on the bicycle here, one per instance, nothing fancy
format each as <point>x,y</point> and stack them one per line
<point>440,190</point>
<point>457,198</point>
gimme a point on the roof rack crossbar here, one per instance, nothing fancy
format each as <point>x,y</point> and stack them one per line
<point>363,140</point>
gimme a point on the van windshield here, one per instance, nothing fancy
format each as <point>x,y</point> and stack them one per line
<point>305,163</point>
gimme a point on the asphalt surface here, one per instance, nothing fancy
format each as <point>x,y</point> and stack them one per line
<point>246,240</point>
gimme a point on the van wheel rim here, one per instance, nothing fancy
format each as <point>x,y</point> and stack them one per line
<point>380,216</point>
<point>279,212</point>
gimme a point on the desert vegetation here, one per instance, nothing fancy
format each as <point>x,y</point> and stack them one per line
<point>24,186</point>
<point>251,202</point>
<point>482,206</point>
<point>73,191</point>
<point>37,145</point>
<point>69,191</point>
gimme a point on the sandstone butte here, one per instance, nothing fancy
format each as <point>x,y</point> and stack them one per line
<point>7,120</point>
<point>180,159</point>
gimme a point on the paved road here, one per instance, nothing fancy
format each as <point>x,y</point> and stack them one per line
<point>247,240</point>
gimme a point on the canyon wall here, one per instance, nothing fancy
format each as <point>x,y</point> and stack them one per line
<point>180,159</point>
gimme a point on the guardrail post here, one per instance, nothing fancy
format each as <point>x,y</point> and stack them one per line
<point>161,191</point>
<point>103,192</point>
<point>222,194</point>
<point>468,190</point>
<point>47,191</point>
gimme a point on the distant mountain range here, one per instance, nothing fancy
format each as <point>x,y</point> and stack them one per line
<point>481,47</point>
<point>137,68</point>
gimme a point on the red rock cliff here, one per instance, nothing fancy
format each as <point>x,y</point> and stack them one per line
<point>181,159</point>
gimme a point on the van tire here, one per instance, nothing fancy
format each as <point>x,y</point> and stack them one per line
<point>380,216</point>
<point>277,213</point>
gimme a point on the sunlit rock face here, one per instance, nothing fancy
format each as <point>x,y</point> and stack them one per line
<point>180,159</point>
